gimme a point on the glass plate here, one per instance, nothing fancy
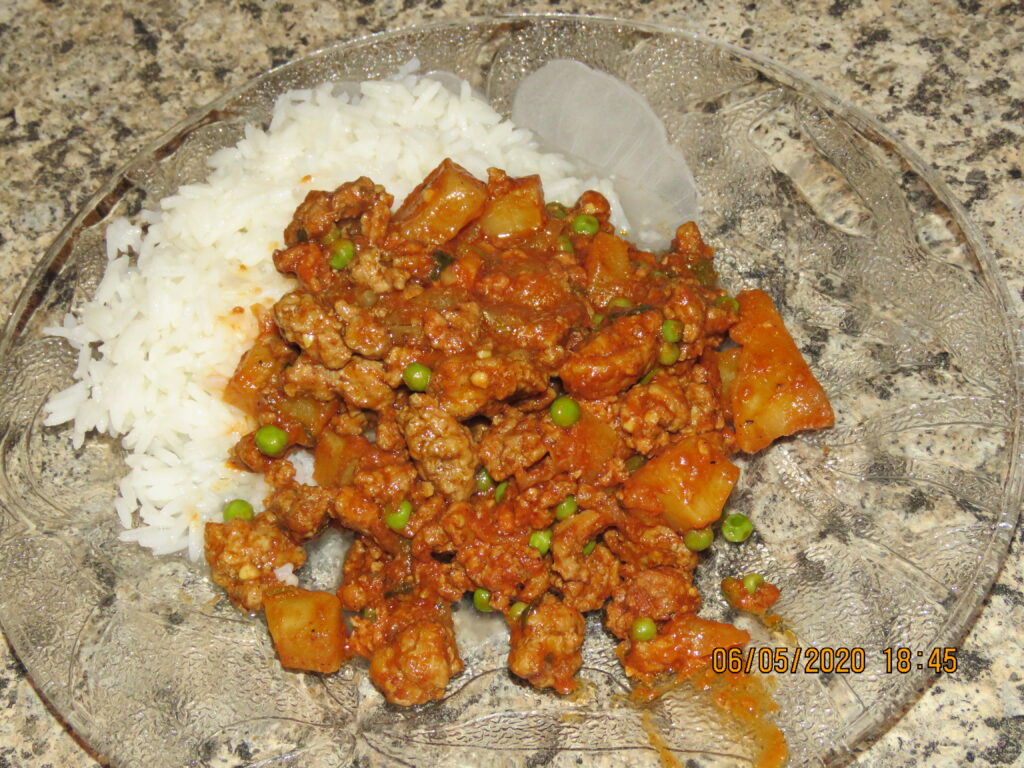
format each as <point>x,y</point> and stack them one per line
<point>886,531</point>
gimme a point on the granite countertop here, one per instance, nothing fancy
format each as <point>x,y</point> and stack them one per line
<point>86,83</point>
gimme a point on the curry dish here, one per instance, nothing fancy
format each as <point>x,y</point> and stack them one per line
<point>505,398</point>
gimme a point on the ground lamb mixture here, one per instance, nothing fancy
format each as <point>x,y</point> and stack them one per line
<point>506,398</point>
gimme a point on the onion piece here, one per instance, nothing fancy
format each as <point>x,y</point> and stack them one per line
<point>609,128</point>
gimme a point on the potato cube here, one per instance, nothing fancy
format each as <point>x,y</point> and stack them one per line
<point>307,628</point>
<point>607,264</point>
<point>518,212</point>
<point>447,200</point>
<point>686,485</point>
<point>586,447</point>
<point>774,392</point>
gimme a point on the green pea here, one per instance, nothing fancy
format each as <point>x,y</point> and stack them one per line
<point>620,302</point>
<point>566,508</point>
<point>589,547</point>
<point>332,236</point>
<point>752,581</point>
<point>585,224</point>
<point>737,527</point>
<point>557,210</point>
<point>728,303</point>
<point>672,331</point>
<point>565,244</point>
<point>517,610</point>
<point>416,377</point>
<point>342,252</point>
<point>484,481</point>
<point>499,492</point>
<point>699,540</point>
<point>399,518</point>
<point>482,600</point>
<point>643,628</point>
<point>238,509</point>
<point>668,354</point>
<point>565,411</point>
<point>634,462</point>
<point>271,440</point>
<point>541,541</point>
<point>370,614</point>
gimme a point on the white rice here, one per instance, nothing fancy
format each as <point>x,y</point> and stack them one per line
<point>159,340</point>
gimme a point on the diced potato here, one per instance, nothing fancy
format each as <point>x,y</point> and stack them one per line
<point>586,447</point>
<point>774,392</point>
<point>607,263</point>
<point>307,628</point>
<point>265,359</point>
<point>686,485</point>
<point>336,458</point>
<point>517,212</point>
<point>447,200</point>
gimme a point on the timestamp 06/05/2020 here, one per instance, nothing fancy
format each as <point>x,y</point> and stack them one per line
<point>812,660</point>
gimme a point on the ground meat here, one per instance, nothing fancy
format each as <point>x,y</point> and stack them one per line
<point>655,593</point>
<point>569,539</point>
<point>362,384</point>
<point>640,546</point>
<point>388,482</point>
<point>441,447</point>
<point>468,385</point>
<point>307,377</point>
<point>505,565</point>
<point>318,331</point>
<point>534,507</point>
<point>448,476</point>
<point>321,210</point>
<point>356,511</point>
<point>652,413</point>
<point>365,332</point>
<point>417,664</point>
<point>388,432</point>
<point>515,442</point>
<point>243,555</point>
<point>246,455</point>
<point>367,573</point>
<point>375,271</point>
<point>686,306</point>
<point>447,580</point>
<point>547,646</point>
<point>614,358</point>
<point>596,580</point>
<point>309,262</point>
<point>453,329</point>
<point>302,509</point>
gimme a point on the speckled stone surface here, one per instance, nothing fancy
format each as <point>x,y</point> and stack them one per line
<point>84,84</point>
